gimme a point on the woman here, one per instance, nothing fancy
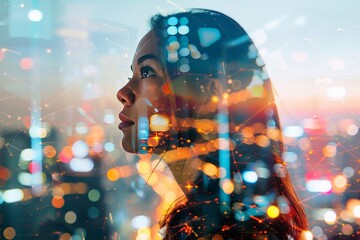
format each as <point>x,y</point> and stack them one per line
<point>200,98</point>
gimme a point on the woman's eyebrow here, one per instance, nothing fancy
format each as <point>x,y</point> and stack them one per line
<point>147,56</point>
<point>143,58</point>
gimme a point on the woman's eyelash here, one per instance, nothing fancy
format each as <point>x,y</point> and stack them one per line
<point>147,72</point>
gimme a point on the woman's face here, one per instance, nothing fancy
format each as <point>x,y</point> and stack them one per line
<point>146,107</point>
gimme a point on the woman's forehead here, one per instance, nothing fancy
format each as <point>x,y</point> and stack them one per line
<point>147,45</point>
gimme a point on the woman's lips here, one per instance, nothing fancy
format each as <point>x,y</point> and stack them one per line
<point>124,125</point>
<point>125,122</point>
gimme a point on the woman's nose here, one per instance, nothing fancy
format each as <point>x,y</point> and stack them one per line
<point>126,96</point>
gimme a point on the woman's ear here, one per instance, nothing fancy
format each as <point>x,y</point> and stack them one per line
<point>214,89</point>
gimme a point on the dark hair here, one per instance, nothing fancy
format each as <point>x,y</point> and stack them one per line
<point>200,45</point>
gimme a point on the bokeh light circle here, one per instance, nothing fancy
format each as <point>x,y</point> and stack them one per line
<point>9,233</point>
<point>330,217</point>
<point>273,212</point>
<point>35,15</point>
<point>93,212</point>
<point>348,172</point>
<point>94,195</point>
<point>26,63</point>
<point>70,217</point>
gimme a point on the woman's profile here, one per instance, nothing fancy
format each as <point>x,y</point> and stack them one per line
<point>201,99</point>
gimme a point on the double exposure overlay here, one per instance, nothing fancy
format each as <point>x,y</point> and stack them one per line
<point>227,131</point>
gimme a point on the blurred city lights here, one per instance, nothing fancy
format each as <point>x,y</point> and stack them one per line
<point>293,131</point>
<point>81,164</point>
<point>35,15</point>
<point>273,212</point>
<point>250,176</point>
<point>336,93</point>
<point>140,221</point>
<point>319,186</point>
<point>13,195</point>
<point>330,217</point>
<point>70,217</point>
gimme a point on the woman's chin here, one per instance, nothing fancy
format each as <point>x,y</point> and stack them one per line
<point>128,146</point>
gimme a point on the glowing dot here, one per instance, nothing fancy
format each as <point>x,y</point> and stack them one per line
<point>143,167</point>
<point>330,150</point>
<point>184,21</point>
<point>250,176</point>
<point>273,212</point>
<point>317,231</point>
<point>57,202</point>
<point>173,57</point>
<point>184,68</point>
<point>80,149</point>
<point>336,93</point>
<point>109,147</point>
<point>221,173</point>
<point>215,99</point>
<point>209,169</point>
<point>35,15</point>
<point>70,217</point>
<point>348,172</point>
<point>352,130</point>
<point>65,236</point>
<point>184,52</point>
<point>262,172</point>
<point>159,123</point>
<point>356,211</point>
<point>172,21</point>
<point>81,128</point>
<point>13,195</point>
<point>109,118</point>
<point>347,229</point>
<point>289,156</point>
<point>293,131</point>
<point>306,235</point>
<point>81,164</point>
<point>27,154</point>
<point>113,174</point>
<point>48,50</point>
<point>262,141</point>
<point>330,217</point>
<point>66,154</point>
<point>340,181</point>
<point>93,212</point>
<point>217,237</point>
<point>9,233</point>
<point>183,30</point>
<point>172,30</point>
<point>318,186</point>
<point>49,151</point>
<point>140,221</point>
<point>41,132</point>
<point>154,141</point>
<point>34,167</point>
<point>26,63</point>
<point>227,186</point>
<point>94,195</point>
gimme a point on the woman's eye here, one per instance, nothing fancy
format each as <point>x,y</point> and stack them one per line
<point>147,72</point>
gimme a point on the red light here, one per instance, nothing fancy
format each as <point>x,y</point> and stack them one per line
<point>26,63</point>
